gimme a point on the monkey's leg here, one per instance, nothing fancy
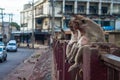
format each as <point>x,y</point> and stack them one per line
<point>68,48</point>
<point>78,58</point>
<point>72,58</point>
<point>71,51</point>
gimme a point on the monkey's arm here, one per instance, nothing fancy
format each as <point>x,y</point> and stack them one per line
<point>73,54</point>
<point>71,51</point>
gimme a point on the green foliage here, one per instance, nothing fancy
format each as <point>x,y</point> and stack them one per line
<point>14,24</point>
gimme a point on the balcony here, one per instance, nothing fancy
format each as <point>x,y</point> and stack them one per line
<point>37,30</point>
<point>116,1</point>
<point>94,0</point>
<point>69,12</point>
<point>116,12</point>
<point>39,12</point>
<point>106,0</point>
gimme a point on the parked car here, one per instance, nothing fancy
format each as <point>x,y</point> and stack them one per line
<point>11,46</point>
<point>2,44</point>
<point>12,41</point>
<point>3,54</point>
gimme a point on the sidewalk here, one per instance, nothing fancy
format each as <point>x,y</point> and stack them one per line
<point>36,67</point>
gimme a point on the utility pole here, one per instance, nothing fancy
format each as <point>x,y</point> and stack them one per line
<point>10,27</point>
<point>53,16</point>
<point>2,29</point>
<point>33,38</point>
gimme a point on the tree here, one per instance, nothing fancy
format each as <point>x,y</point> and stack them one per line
<point>14,24</point>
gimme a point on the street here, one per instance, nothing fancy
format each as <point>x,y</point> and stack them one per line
<point>13,60</point>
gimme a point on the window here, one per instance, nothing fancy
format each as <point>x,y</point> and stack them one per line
<point>104,10</point>
<point>93,9</point>
<point>105,23</point>
<point>81,8</point>
<point>39,21</point>
<point>12,44</point>
<point>66,23</point>
<point>69,8</point>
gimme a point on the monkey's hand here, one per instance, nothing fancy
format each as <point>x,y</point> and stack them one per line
<point>73,67</point>
<point>71,60</point>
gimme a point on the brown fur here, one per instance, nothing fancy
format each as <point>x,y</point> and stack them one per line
<point>91,30</point>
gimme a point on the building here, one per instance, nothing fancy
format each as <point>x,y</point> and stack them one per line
<point>104,12</point>
<point>5,31</point>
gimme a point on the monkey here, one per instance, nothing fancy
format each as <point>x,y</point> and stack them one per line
<point>82,41</point>
<point>75,47</point>
<point>75,35</point>
<point>93,33</point>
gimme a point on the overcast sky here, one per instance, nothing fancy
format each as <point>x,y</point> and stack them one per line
<point>13,6</point>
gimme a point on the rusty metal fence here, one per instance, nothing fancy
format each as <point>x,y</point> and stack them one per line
<point>106,67</point>
<point>60,66</point>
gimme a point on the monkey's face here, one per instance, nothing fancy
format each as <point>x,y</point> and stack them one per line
<point>73,25</point>
<point>77,23</point>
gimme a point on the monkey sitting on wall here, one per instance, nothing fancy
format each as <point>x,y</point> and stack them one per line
<point>92,33</point>
<point>75,35</point>
<point>83,40</point>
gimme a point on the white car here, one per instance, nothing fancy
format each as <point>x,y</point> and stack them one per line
<point>12,41</point>
<point>2,44</point>
<point>3,54</point>
<point>11,46</point>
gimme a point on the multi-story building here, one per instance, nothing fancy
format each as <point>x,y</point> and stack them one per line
<point>4,31</point>
<point>104,12</point>
<point>26,18</point>
<point>26,23</point>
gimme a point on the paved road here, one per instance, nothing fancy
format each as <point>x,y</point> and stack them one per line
<point>13,60</point>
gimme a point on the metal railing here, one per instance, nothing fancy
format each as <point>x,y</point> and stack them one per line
<point>95,66</point>
<point>113,66</point>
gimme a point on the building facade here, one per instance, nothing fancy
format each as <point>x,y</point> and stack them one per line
<point>104,12</point>
<point>5,31</point>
